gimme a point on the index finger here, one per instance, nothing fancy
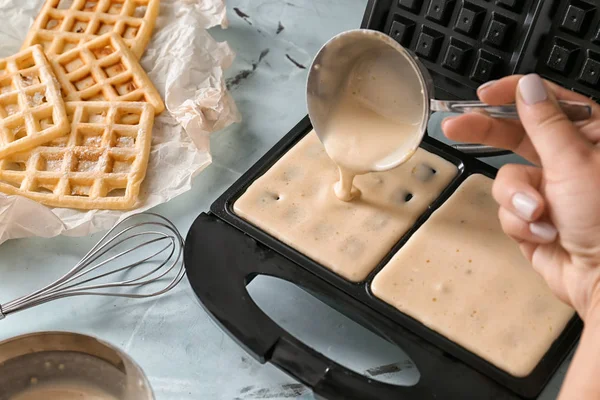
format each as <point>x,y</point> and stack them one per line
<point>503,91</point>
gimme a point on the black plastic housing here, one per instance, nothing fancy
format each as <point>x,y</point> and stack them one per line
<point>223,253</point>
<point>463,43</point>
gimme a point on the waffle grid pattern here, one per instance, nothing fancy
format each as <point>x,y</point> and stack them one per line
<point>469,41</point>
<point>31,109</point>
<point>570,54</point>
<point>104,69</point>
<point>64,24</point>
<point>99,165</point>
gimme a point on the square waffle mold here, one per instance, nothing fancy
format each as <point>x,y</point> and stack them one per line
<point>460,275</point>
<point>348,238</point>
<point>465,43</point>
<point>569,52</point>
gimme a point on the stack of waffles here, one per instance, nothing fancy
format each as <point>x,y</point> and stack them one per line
<point>76,107</point>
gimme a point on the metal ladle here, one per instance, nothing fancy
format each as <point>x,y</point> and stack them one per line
<point>336,60</point>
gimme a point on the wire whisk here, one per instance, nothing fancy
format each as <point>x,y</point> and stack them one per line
<point>145,245</point>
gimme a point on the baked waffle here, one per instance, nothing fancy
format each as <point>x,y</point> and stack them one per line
<point>64,24</point>
<point>99,165</point>
<point>31,109</point>
<point>104,69</point>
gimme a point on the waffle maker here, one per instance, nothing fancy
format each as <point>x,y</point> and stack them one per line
<point>463,43</point>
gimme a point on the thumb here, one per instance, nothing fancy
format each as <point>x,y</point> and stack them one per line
<point>556,139</point>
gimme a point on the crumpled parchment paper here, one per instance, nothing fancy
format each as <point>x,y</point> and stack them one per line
<point>186,65</point>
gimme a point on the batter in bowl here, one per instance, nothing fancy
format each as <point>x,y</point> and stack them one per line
<point>461,276</point>
<point>63,391</point>
<point>294,201</point>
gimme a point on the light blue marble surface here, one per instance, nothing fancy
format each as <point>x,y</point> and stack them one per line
<point>185,355</point>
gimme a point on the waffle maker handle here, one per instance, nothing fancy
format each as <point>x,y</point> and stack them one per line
<point>219,277</point>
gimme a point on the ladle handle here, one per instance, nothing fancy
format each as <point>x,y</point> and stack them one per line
<point>576,111</point>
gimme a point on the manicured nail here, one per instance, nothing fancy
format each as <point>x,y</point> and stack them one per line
<point>532,89</point>
<point>524,205</point>
<point>446,120</point>
<point>486,85</point>
<point>543,230</point>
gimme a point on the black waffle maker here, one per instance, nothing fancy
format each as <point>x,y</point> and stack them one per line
<point>463,43</point>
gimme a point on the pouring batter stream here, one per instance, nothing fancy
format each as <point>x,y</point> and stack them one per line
<point>377,118</point>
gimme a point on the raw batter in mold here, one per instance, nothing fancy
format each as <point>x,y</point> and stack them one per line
<point>294,201</point>
<point>461,276</point>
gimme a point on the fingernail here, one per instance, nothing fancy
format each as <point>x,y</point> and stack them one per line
<point>445,120</point>
<point>543,230</point>
<point>524,205</point>
<point>532,89</point>
<point>486,85</point>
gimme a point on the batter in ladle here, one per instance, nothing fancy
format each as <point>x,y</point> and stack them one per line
<point>377,119</point>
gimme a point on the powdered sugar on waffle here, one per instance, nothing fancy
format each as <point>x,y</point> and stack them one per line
<point>174,159</point>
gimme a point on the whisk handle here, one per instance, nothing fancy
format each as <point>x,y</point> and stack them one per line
<point>2,316</point>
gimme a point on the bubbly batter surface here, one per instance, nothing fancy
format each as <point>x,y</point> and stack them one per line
<point>294,201</point>
<point>461,276</point>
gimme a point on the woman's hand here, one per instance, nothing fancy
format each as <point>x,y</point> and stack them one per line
<point>552,209</point>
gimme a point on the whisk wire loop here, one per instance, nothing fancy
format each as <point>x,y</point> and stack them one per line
<point>102,261</point>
